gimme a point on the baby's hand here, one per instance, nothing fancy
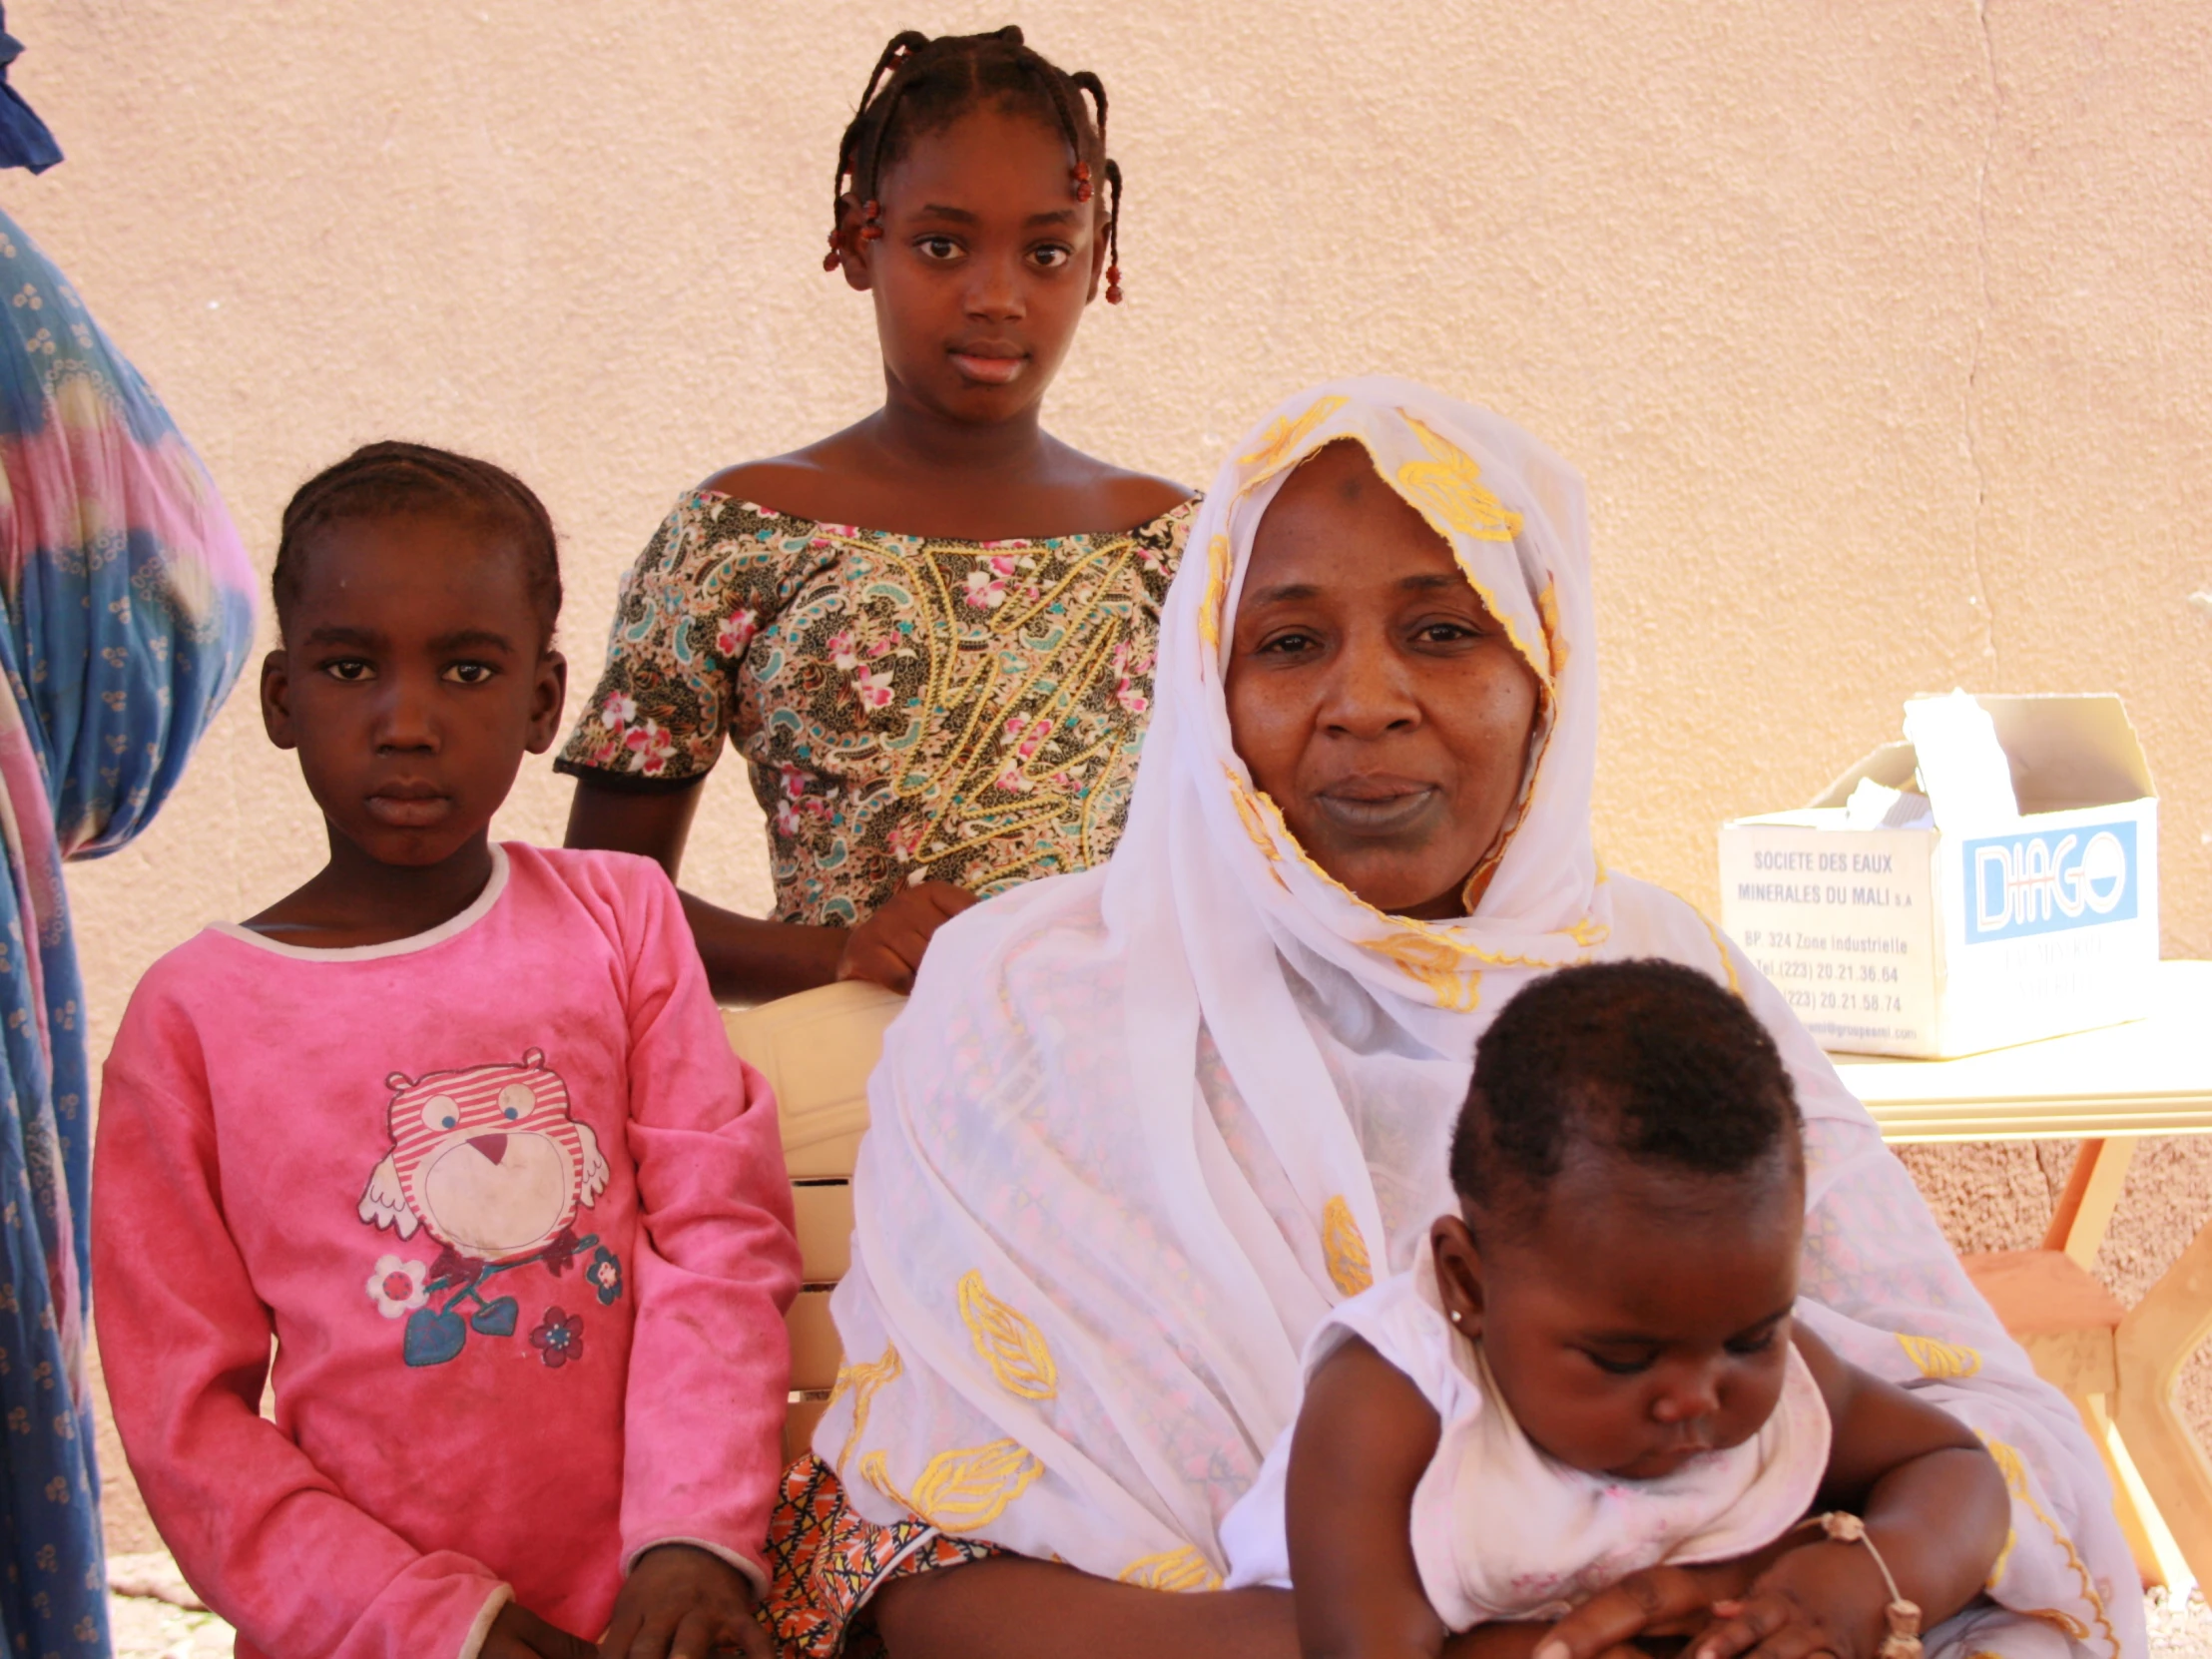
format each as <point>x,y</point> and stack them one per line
<point>683,1603</point>
<point>518,1633</point>
<point>1822,1598</point>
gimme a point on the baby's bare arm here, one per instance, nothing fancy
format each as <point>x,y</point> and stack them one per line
<point>1364,1439</point>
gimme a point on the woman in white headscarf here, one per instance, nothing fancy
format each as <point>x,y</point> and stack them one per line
<point>1141,1127</point>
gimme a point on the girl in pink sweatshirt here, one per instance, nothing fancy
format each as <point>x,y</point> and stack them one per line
<point>454,1130</point>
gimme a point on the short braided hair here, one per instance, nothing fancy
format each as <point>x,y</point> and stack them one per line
<point>391,478</point>
<point>1649,1060</point>
<point>921,85</point>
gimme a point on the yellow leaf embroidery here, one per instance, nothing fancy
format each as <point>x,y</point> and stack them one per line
<point>1447,486</point>
<point>1284,434</point>
<point>1255,825</point>
<point>2015,1469</point>
<point>1555,642</point>
<point>1344,1250</point>
<point>862,1380</point>
<point>1736,984</point>
<point>1008,1342</point>
<point>873,1472</point>
<point>1939,1359</point>
<point>2004,1559</point>
<point>1181,1570</point>
<point>963,1490</point>
<point>1435,964</point>
<point>1217,592</point>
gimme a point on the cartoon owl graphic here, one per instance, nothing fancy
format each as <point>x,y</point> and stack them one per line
<point>486,1158</point>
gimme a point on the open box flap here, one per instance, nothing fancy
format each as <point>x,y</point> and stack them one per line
<point>1893,765</point>
<point>2065,751</point>
<point>2069,752</point>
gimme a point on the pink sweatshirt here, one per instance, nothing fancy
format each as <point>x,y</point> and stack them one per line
<point>517,1223</point>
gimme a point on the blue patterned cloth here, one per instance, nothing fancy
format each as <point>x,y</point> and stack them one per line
<point>126,610</point>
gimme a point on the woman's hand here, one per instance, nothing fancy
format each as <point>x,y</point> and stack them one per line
<point>683,1603</point>
<point>887,949</point>
<point>518,1633</point>
<point>1657,1601</point>
<point>1824,1598</point>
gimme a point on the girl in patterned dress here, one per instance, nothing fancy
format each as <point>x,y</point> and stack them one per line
<point>932,634</point>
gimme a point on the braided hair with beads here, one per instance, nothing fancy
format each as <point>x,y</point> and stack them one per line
<point>923,84</point>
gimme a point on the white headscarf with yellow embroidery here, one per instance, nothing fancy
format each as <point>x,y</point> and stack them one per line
<point>1140,1127</point>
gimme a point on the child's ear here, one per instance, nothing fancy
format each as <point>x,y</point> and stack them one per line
<point>277,699</point>
<point>1459,1275</point>
<point>852,247</point>
<point>546,698</point>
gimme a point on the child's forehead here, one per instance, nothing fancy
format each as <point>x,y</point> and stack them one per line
<point>1666,1243</point>
<point>991,147</point>
<point>412,564</point>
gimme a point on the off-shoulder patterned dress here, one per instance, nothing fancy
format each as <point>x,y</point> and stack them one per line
<point>911,708</point>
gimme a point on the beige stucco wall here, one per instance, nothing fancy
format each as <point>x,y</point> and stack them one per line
<point>1883,330</point>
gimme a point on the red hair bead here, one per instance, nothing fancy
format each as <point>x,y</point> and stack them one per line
<point>1113,284</point>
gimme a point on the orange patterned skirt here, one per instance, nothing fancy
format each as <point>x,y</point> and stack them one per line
<point>827,1561</point>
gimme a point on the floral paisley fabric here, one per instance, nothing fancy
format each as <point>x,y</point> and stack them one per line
<point>1140,1129</point>
<point>126,610</point>
<point>911,708</point>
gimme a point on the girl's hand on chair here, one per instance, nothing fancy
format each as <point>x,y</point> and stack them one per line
<point>684,1603</point>
<point>887,949</point>
<point>1824,1598</point>
<point>518,1633</point>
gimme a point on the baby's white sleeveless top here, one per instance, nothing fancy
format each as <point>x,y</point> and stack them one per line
<point>1501,1530</point>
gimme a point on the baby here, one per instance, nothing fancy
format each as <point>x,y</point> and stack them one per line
<point>1596,1371</point>
<point>455,1129</point>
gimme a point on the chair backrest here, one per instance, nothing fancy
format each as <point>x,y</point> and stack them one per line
<point>817,1049</point>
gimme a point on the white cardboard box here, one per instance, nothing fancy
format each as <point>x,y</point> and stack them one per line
<point>2008,924</point>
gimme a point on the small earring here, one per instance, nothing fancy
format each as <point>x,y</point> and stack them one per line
<point>1113,284</point>
<point>871,227</point>
<point>1456,1315</point>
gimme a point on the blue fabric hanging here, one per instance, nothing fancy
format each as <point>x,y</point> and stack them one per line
<point>126,611</point>
<point>24,139</point>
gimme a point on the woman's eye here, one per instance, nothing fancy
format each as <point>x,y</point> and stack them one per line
<point>350,670</point>
<point>470,674</point>
<point>1052,257</point>
<point>1753,1344</point>
<point>1446,633</point>
<point>1288,645</point>
<point>1614,1367</point>
<point>938,247</point>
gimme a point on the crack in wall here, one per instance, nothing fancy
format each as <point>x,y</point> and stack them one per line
<point>1981,599</point>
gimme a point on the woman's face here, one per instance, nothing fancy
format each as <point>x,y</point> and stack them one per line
<point>1370,693</point>
<point>984,267</point>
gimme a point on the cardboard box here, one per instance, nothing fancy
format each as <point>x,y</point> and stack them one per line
<point>1914,909</point>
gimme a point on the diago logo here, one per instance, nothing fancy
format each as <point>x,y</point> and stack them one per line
<point>2050,881</point>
